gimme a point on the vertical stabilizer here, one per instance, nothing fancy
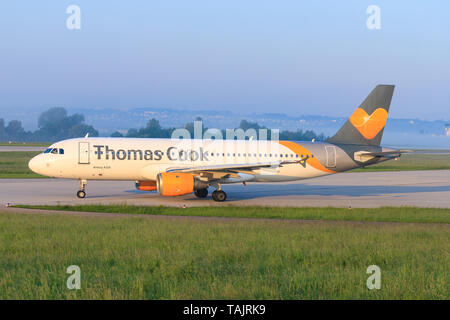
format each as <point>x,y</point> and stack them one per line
<point>366,125</point>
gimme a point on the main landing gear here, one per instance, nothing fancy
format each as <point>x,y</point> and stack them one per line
<point>201,193</point>
<point>81,193</point>
<point>219,195</point>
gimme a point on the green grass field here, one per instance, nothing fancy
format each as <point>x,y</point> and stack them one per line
<point>385,214</point>
<point>410,162</point>
<point>14,164</point>
<point>129,257</point>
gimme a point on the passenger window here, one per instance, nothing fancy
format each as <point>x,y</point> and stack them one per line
<point>61,151</point>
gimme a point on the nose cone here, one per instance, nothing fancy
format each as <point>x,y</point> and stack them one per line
<point>36,164</point>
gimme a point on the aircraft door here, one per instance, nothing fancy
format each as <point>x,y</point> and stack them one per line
<point>83,153</point>
<point>331,156</point>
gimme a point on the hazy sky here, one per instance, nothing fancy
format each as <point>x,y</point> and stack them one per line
<point>294,57</point>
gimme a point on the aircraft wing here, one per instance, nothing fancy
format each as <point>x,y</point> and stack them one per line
<point>232,167</point>
<point>221,170</point>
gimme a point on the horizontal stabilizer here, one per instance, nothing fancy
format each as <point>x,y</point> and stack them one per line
<point>388,154</point>
<point>364,156</point>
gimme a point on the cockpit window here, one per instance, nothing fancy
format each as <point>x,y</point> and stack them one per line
<point>54,151</point>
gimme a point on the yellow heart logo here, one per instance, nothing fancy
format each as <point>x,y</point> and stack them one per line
<point>369,126</point>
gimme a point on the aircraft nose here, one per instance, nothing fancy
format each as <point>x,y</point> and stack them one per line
<point>36,164</point>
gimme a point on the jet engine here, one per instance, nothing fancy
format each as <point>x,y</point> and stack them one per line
<point>146,185</point>
<point>174,184</point>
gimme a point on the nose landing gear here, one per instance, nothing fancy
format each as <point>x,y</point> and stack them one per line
<point>81,193</point>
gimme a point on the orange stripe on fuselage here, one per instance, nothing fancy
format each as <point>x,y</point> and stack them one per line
<point>300,150</point>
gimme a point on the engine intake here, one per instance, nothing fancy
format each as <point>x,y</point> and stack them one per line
<point>174,184</point>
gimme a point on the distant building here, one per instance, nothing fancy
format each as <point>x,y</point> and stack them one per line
<point>447,129</point>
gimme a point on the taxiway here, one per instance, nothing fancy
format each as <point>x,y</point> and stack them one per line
<point>361,189</point>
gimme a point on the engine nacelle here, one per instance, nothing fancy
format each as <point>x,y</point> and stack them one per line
<point>174,184</point>
<point>146,185</point>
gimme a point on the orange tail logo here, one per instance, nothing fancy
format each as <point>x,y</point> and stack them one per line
<point>369,126</point>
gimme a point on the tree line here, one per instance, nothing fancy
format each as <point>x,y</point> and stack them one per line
<point>153,129</point>
<point>55,124</point>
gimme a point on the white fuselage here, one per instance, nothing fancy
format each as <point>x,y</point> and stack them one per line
<point>143,159</point>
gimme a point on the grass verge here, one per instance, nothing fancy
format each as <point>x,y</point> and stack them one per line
<point>137,258</point>
<point>411,162</point>
<point>384,214</point>
<point>14,164</point>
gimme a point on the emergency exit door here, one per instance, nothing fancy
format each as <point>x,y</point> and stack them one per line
<point>83,152</point>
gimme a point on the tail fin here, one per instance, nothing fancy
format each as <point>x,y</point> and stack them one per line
<point>366,125</point>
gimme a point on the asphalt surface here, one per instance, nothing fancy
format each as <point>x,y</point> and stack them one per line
<point>21,148</point>
<point>371,189</point>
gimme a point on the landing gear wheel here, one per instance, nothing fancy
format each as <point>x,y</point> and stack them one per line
<point>201,193</point>
<point>219,196</point>
<point>81,194</point>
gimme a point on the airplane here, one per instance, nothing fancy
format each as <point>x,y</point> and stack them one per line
<point>175,167</point>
